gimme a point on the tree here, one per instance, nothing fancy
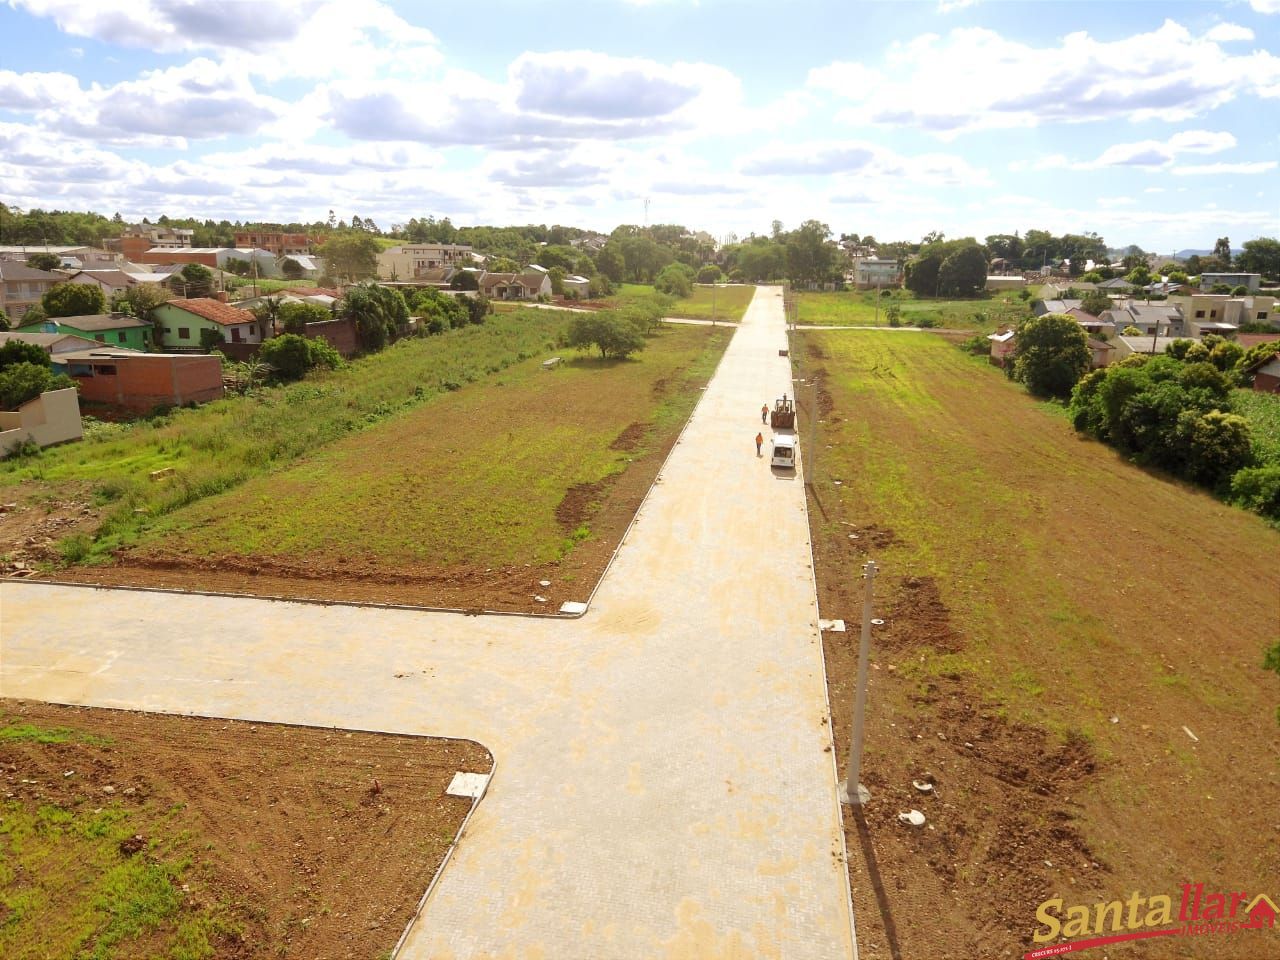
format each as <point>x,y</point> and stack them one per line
<point>13,352</point>
<point>378,313</point>
<point>1095,302</point>
<point>1139,276</point>
<point>964,272</point>
<point>196,280</point>
<point>20,382</point>
<point>1261,256</point>
<point>4,320</point>
<point>292,356</point>
<point>609,333</point>
<point>1222,251</point>
<point>675,280</point>
<point>294,317</point>
<point>43,261</point>
<point>922,274</point>
<point>1051,353</point>
<point>292,269</point>
<point>352,255</point>
<point>810,253</point>
<point>709,273</point>
<point>1216,445</point>
<point>556,276</point>
<point>238,266</point>
<point>73,300</point>
<point>477,307</point>
<point>465,280</point>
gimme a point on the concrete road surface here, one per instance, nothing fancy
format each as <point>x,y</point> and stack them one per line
<point>664,784</point>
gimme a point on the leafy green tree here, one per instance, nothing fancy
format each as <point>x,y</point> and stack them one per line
<point>140,299</point>
<point>20,351</point>
<point>73,300</point>
<point>1240,290</point>
<point>811,256</point>
<point>465,280</point>
<point>477,307</point>
<point>4,320</point>
<point>922,274</point>
<point>378,312</point>
<point>1258,489</point>
<point>1261,256</point>
<point>1131,331</point>
<point>193,280</point>
<point>607,332</point>
<point>20,382</point>
<point>1139,276</point>
<point>1095,302</point>
<point>1226,355</point>
<point>1255,357</point>
<point>1216,444</point>
<point>1051,353</point>
<point>556,275</point>
<point>33,314</point>
<point>292,356</point>
<point>1178,349</point>
<point>211,340</point>
<point>43,261</point>
<point>351,254</point>
<point>292,269</point>
<point>1177,276</point>
<point>964,272</point>
<point>1222,252</point>
<point>675,280</point>
<point>709,273</point>
<point>1093,276</point>
<point>238,266</point>
<point>294,317</point>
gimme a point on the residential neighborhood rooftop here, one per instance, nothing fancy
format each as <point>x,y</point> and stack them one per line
<point>214,310</point>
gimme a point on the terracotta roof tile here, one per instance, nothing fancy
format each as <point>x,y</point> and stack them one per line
<point>214,310</point>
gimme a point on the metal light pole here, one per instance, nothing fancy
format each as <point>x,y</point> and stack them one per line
<point>851,791</point>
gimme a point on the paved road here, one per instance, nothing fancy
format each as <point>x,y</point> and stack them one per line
<point>663,786</point>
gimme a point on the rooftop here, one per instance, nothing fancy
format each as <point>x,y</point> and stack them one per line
<point>214,310</point>
<point>99,321</point>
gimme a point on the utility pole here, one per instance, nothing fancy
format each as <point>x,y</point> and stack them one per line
<point>852,791</point>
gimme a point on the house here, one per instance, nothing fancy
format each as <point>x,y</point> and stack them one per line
<point>142,381</point>
<point>1005,283</point>
<point>1266,377</point>
<point>137,239</point>
<point>1159,319</point>
<point>529,285</point>
<point>1001,347</point>
<point>312,267</point>
<point>180,323</point>
<point>1251,280</point>
<point>280,244</point>
<point>435,276</point>
<point>215,258</point>
<point>1040,307</point>
<point>1262,912</point>
<point>73,257</point>
<point>1115,285</point>
<point>53,417</point>
<point>1124,346</point>
<point>21,287</point>
<point>579,288</point>
<point>1100,353</point>
<point>872,272</point>
<point>53,343</point>
<point>110,282</point>
<point>1255,309</point>
<point>117,329</point>
<point>1088,322</point>
<point>1206,313</point>
<point>408,260</point>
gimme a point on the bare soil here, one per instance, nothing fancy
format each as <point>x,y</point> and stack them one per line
<point>317,843</point>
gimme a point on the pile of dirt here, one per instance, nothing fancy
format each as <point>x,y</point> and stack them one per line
<point>311,842</point>
<point>631,438</point>
<point>29,531</point>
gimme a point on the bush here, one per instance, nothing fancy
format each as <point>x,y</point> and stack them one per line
<point>19,351</point>
<point>1051,353</point>
<point>710,273</point>
<point>294,317</point>
<point>1216,446</point>
<point>292,356</point>
<point>675,280</point>
<point>1178,349</point>
<point>894,315</point>
<point>1240,291</point>
<point>23,381</point>
<point>73,300</point>
<point>1258,489</point>
<point>614,336</point>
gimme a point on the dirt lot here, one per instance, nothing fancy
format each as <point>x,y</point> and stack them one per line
<point>1049,633</point>
<point>137,834</point>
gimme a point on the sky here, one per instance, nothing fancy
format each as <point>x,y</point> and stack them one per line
<point>1155,123</point>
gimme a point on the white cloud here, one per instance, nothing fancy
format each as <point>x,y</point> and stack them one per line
<point>36,91</point>
<point>1265,6</point>
<point>976,79</point>
<point>272,38</point>
<point>869,161</point>
<point>1218,169</point>
<point>947,6</point>
<point>1228,33</point>
<point>1151,154</point>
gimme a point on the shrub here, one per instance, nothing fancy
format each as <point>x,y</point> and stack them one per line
<point>1196,353</point>
<point>1051,353</point>
<point>294,317</point>
<point>1258,489</point>
<point>1178,349</point>
<point>211,339</point>
<point>1240,291</point>
<point>1216,445</point>
<point>675,280</point>
<point>1130,331</point>
<point>894,315</point>
<point>378,312</point>
<point>613,335</point>
<point>292,356</point>
<point>20,382</point>
<point>710,273</point>
<point>19,351</point>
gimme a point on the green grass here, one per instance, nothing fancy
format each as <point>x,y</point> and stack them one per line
<point>1262,410</point>
<point>473,478</point>
<point>66,890</point>
<point>858,308</point>
<point>244,288</point>
<point>217,447</point>
<point>28,733</point>
<point>730,302</point>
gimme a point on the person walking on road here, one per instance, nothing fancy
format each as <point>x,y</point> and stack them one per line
<point>759,443</point>
<point>764,413</point>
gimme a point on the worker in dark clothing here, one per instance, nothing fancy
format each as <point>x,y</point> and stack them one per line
<point>764,413</point>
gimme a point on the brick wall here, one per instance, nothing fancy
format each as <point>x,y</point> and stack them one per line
<point>339,334</point>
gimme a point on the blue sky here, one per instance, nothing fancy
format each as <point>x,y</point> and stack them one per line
<point>1149,122</point>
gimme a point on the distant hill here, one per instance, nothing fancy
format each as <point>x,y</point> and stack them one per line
<point>1183,254</point>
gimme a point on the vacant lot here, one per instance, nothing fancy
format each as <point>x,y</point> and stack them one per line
<point>857,308</point>
<point>727,302</point>
<point>139,835</point>
<point>470,500</point>
<point>1056,621</point>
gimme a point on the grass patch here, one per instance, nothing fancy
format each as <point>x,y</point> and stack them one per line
<point>478,477</point>
<point>858,308</point>
<point>1262,410</point>
<point>29,733</point>
<point>219,446</point>
<point>729,302</point>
